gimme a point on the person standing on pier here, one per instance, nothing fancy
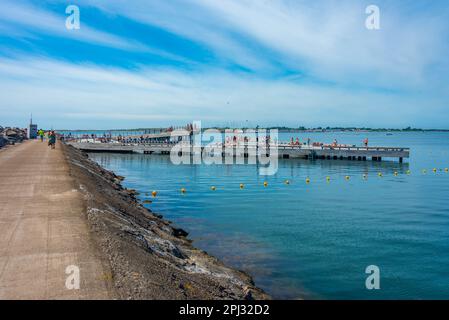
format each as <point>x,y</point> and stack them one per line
<point>365,142</point>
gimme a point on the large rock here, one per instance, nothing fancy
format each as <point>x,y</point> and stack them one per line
<point>12,135</point>
<point>3,141</point>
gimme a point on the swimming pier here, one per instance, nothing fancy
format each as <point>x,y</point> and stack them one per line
<point>285,150</point>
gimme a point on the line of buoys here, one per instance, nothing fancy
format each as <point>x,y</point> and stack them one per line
<point>308,180</point>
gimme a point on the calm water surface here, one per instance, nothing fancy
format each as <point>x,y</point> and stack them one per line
<point>315,240</point>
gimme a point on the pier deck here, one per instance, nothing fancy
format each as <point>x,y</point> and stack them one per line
<point>285,151</point>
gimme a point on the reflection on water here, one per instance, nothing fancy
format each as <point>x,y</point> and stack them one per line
<point>314,240</point>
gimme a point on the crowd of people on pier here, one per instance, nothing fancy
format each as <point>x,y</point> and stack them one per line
<point>229,139</point>
<point>334,144</point>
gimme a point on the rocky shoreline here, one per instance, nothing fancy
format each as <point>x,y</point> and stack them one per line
<point>10,136</point>
<point>147,257</point>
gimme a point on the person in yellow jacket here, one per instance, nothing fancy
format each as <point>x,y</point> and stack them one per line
<point>41,133</point>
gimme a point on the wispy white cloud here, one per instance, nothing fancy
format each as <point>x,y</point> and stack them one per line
<point>188,20</point>
<point>63,92</point>
<point>326,39</point>
<point>22,20</point>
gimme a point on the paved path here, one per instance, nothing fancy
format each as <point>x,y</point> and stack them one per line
<point>43,229</point>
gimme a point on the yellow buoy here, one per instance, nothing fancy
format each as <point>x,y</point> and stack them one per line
<point>183,190</point>
<point>265,184</point>
<point>446,169</point>
<point>347,177</point>
<point>380,174</point>
<point>242,186</point>
<point>154,194</point>
<point>395,173</point>
<point>328,179</point>
<point>408,172</point>
<point>287,182</point>
<point>307,180</point>
<point>213,188</point>
<point>434,170</point>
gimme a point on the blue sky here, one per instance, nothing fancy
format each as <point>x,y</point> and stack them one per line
<point>224,62</point>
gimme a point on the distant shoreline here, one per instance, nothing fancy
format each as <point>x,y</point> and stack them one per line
<point>280,129</point>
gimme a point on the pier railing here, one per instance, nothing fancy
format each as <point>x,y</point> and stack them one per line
<point>280,145</point>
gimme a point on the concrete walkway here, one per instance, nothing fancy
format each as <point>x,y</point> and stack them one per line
<point>43,228</point>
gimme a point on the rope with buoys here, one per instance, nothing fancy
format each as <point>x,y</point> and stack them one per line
<point>308,181</point>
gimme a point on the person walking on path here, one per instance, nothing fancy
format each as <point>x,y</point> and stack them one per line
<point>41,134</point>
<point>52,140</point>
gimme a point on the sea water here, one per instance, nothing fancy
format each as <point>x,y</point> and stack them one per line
<point>315,240</point>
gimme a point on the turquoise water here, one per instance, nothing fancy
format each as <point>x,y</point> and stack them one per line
<point>315,240</point>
